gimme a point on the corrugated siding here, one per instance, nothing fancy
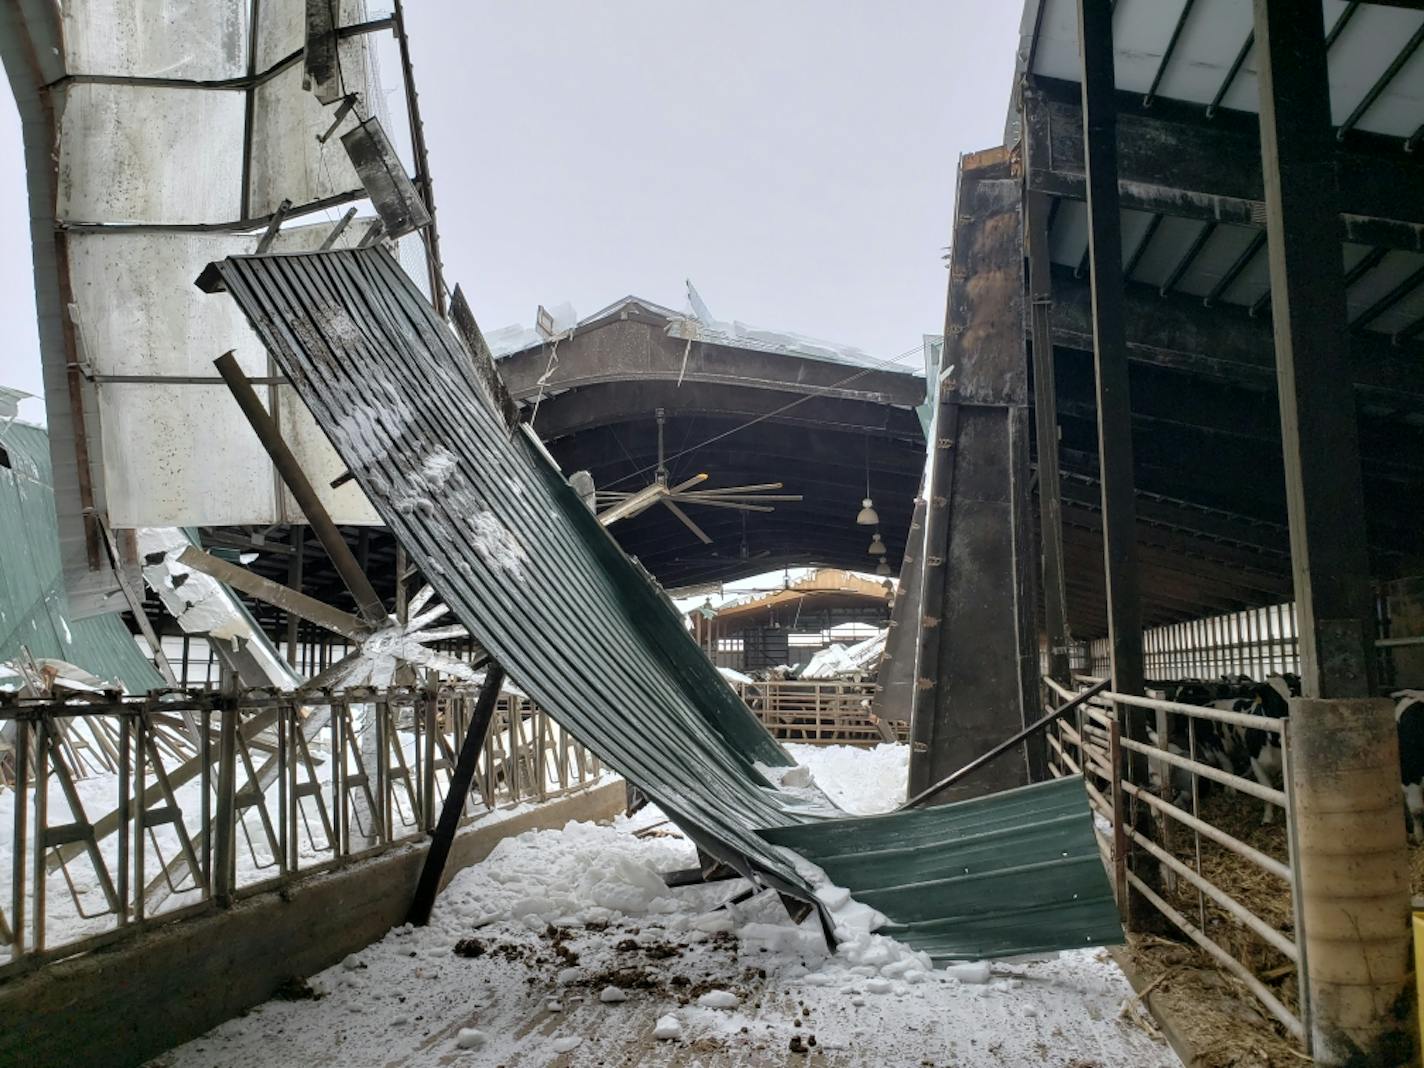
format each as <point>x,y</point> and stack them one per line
<point>510,547</point>
<point>1014,872</point>
<point>33,610</point>
<point>578,626</point>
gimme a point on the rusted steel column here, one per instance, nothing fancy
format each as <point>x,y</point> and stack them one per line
<point>1045,410</point>
<point>1353,870</point>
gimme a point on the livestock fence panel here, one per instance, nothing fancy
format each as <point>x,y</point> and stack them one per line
<point>116,815</point>
<point>820,712</point>
<point>1190,841</point>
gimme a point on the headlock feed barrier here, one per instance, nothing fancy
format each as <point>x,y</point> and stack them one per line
<point>539,583</point>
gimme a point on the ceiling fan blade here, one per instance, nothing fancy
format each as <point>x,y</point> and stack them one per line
<point>687,521</point>
<point>693,481</point>
<point>744,489</point>
<point>739,499</point>
<point>645,498</point>
<point>732,504</point>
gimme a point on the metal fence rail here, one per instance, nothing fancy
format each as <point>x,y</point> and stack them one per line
<point>819,712</point>
<point>1166,866</point>
<point>279,785</point>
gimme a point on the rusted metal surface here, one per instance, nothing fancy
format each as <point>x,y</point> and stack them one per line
<point>977,662</point>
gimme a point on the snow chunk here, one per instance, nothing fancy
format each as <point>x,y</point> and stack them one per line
<point>976,972</point>
<point>564,1043</point>
<point>611,995</point>
<point>470,1038</point>
<point>667,1027</point>
<point>719,999</point>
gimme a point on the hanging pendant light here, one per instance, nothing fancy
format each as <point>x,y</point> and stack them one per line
<point>883,568</point>
<point>868,517</point>
<point>877,547</point>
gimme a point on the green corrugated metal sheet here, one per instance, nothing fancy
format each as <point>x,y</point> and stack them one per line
<point>33,609</point>
<point>1014,872</point>
<point>536,579</point>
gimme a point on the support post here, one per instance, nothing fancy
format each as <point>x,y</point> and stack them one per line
<point>225,829</point>
<point>367,602</point>
<point>1045,406</point>
<point>460,780</point>
<point>1124,601</point>
<point>294,580</point>
<point>1350,855</point>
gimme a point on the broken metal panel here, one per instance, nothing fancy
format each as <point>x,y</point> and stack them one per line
<point>383,175</point>
<point>33,610</point>
<point>321,73</point>
<point>282,26</point>
<point>977,676</point>
<point>509,546</point>
<point>1017,872</point>
<point>157,38</point>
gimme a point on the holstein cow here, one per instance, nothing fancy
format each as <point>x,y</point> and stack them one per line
<point>1261,750</point>
<point>1409,721</point>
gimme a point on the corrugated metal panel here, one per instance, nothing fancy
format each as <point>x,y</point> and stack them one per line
<point>511,548</point>
<point>539,582</point>
<point>1015,872</point>
<point>33,609</point>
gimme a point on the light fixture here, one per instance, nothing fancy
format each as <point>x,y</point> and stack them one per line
<point>877,547</point>
<point>868,516</point>
<point>883,568</point>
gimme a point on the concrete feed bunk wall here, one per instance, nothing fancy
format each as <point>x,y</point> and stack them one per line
<point>124,1004</point>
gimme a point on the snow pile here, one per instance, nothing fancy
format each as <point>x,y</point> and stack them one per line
<point>570,940</point>
<point>861,781</point>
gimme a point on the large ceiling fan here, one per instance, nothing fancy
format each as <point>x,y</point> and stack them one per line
<point>613,506</point>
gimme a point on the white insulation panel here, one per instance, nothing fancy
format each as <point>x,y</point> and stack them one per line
<point>182,454</point>
<point>157,38</point>
<point>137,154</point>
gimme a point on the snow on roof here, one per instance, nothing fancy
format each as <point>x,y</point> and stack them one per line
<point>695,324</point>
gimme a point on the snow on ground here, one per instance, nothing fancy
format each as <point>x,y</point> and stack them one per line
<point>566,948</point>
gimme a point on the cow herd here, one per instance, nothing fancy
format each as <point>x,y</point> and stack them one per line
<point>1241,750</point>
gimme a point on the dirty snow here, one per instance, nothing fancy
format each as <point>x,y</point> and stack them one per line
<point>565,947</point>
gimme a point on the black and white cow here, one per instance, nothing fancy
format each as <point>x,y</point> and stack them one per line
<point>1261,750</point>
<point>1409,721</point>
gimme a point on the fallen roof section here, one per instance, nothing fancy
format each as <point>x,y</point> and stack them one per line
<point>1014,872</point>
<point>34,612</point>
<point>540,584</point>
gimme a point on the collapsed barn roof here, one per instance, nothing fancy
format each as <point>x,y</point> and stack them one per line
<point>524,564</point>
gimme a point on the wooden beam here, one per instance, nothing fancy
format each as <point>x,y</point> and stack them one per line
<point>1226,343</point>
<point>1183,165</point>
<point>274,593</point>
<point>1324,491</point>
<point>1120,570</point>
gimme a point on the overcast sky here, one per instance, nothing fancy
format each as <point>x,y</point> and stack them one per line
<point>794,158</point>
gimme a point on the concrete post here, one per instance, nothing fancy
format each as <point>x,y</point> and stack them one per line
<point>1353,874</point>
